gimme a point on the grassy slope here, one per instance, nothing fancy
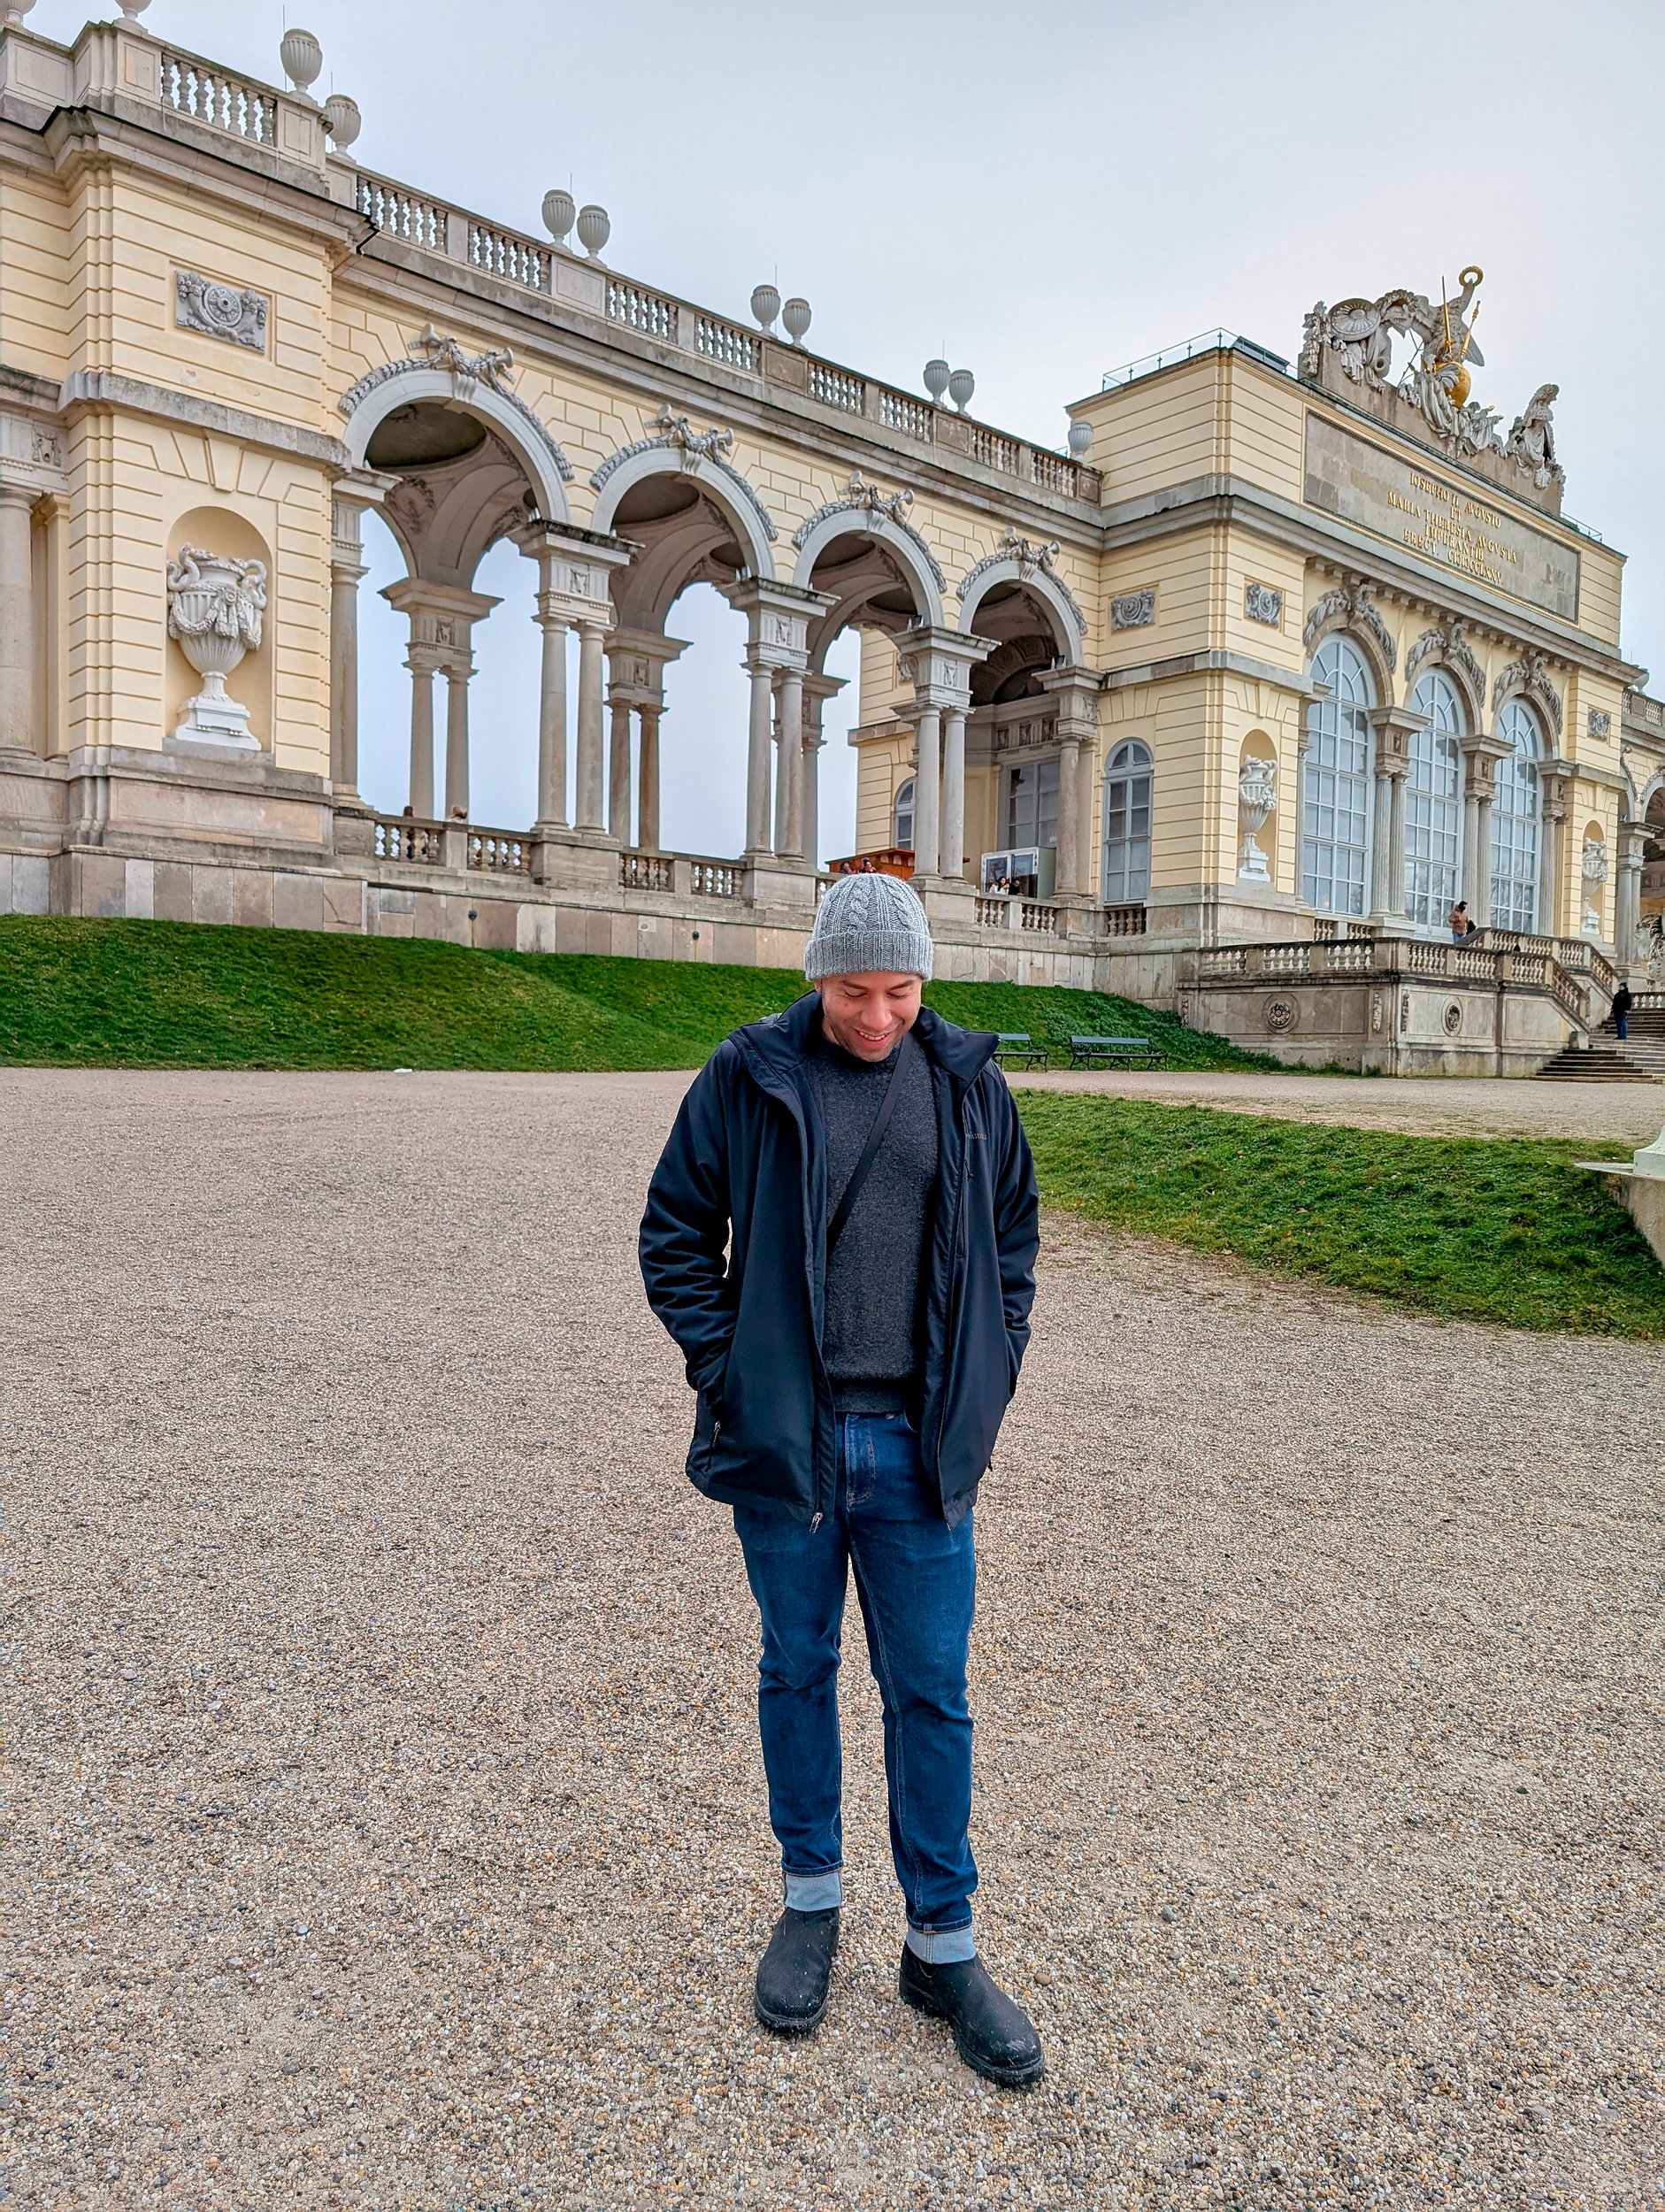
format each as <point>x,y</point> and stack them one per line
<point>1501,1231</point>
<point>177,995</point>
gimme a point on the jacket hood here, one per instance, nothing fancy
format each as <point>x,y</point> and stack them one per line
<point>775,1048</point>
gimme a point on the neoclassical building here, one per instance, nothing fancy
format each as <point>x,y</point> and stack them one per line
<point>1227,703</point>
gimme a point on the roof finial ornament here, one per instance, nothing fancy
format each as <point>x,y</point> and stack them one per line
<point>303,58</point>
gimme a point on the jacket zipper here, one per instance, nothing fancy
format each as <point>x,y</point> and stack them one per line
<point>954,1288</point>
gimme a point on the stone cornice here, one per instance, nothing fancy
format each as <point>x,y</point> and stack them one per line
<point>1207,500</point>
<point>1203,664</point>
<point>100,390</point>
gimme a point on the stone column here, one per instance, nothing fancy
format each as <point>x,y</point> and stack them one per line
<point>1480,757</point>
<point>760,738</point>
<point>1394,728</point>
<point>1627,892</point>
<point>19,730</point>
<point>1076,691</point>
<point>353,493</point>
<point>648,779</point>
<point>816,691</point>
<point>551,718</point>
<point>589,725</point>
<point>619,779</point>
<point>792,761</point>
<point>459,669</point>
<point>927,792</point>
<point>1553,862</point>
<point>423,662</point>
<point>951,852</point>
<point>1068,876</point>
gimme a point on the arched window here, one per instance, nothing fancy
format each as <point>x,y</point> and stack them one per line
<point>1335,782</point>
<point>1516,813</point>
<point>902,813</point>
<point>1127,784</point>
<point>1433,802</point>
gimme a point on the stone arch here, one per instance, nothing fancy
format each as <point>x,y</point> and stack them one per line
<point>1021,568</point>
<point>1448,649</point>
<point>1351,611</point>
<point>718,481</point>
<point>902,545</point>
<point>423,384</point>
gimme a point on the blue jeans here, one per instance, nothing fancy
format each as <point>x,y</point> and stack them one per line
<point>916,1580</point>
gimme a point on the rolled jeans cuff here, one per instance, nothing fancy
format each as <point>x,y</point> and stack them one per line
<point>942,1947</point>
<point>816,1892</point>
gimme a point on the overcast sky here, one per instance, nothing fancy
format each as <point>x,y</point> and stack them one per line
<point>1042,192</point>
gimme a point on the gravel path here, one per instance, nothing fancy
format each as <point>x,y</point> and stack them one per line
<point>1435,1106</point>
<point>387,1827</point>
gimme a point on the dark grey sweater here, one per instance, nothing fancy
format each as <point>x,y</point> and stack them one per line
<point>871,1337</point>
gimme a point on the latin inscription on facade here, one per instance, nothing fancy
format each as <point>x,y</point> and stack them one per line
<point>1449,523</point>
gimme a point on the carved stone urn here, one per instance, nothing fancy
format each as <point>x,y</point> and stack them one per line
<point>1595,872</point>
<point>1257,799</point>
<point>215,606</point>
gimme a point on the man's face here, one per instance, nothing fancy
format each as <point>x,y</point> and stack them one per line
<point>869,1015</point>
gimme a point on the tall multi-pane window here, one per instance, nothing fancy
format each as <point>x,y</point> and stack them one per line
<point>1517,814</point>
<point>1032,804</point>
<point>1127,783</point>
<point>1433,802</point>
<point>1335,782</point>
<point>903,815</point>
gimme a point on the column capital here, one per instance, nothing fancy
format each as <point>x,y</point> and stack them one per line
<point>575,570</point>
<point>1395,728</point>
<point>362,488</point>
<point>1077,692</point>
<point>777,619</point>
<point>938,662</point>
<point>637,660</point>
<point>439,615</point>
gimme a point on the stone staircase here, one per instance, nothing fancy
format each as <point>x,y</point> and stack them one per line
<point>1640,1058</point>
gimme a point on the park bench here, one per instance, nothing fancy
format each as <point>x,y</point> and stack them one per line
<point>1019,1049</point>
<point>1115,1052</point>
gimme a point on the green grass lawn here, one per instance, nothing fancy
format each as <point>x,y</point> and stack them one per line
<point>1496,1230</point>
<point>182,994</point>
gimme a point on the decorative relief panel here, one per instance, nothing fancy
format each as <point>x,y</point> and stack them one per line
<point>220,311</point>
<point>1601,722</point>
<point>1133,609</point>
<point>1261,604</point>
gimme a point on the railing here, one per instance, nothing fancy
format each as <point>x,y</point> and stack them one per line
<point>994,450</point>
<point>836,387</point>
<point>993,911</point>
<point>642,311</point>
<point>1125,921</point>
<point>722,341</point>
<point>715,878</point>
<point>501,851</point>
<point>209,95</point>
<point>914,417</point>
<point>531,264</point>
<point>1503,957</point>
<point>398,837</point>
<point>401,214</point>
<point>646,871</point>
<point>1042,919</point>
<point>502,253</point>
<point>1294,959</point>
<point>1205,342</point>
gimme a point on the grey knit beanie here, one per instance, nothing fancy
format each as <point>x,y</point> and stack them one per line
<point>868,926</point>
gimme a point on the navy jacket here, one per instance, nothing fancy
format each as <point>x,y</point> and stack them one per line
<point>733,1256</point>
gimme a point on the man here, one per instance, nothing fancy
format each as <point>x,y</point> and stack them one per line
<point>1624,1000</point>
<point>859,1163</point>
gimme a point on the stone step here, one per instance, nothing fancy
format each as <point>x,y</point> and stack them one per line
<point>1605,1063</point>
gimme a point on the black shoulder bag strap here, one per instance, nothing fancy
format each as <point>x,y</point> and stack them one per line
<point>870,1150</point>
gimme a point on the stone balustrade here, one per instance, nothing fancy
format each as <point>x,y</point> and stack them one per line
<point>531,264</point>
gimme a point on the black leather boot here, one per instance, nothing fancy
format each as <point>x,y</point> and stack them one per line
<point>794,1970</point>
<point>991,2034</point>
